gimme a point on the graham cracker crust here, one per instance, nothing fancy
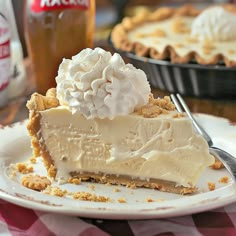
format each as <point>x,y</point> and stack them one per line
<point>162,185</point>
<point>35,104</point>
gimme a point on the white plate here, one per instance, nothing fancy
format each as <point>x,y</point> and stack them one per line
<point>15,147</point>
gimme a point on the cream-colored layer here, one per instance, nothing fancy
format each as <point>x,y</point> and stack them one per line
<point>163,147</point>
<point>179,41</point>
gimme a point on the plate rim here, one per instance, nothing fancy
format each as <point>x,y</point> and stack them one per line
<point>99,212</point>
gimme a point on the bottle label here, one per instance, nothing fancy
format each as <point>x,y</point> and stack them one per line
<point>50,5</point>
<point>5,62</point>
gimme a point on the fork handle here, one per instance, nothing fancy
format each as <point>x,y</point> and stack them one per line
<point>228,160</point>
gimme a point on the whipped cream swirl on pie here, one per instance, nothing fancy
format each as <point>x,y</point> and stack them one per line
<point>100,85</point>
<point>215,23</point>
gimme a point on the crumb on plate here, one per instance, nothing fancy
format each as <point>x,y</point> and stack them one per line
<point>86,196</point>
<point>24,168</point>
<point>35,182</point>
<point>121,200</point>
<point>211,186</point>
<point>224,180</point>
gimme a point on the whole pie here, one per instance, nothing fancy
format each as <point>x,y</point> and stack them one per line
<point>102,124</point>
<point>182,35</point>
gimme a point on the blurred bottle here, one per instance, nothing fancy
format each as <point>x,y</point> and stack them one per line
<point>55,30</point>
<point>17,84</point>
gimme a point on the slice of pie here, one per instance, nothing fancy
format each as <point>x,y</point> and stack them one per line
<point>182,35</point>
<point>102,124</point>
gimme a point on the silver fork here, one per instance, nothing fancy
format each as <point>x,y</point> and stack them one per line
<point>228,160</point>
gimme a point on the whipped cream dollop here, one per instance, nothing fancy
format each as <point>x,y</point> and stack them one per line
<point>100,85</point>
<point>214,23</point>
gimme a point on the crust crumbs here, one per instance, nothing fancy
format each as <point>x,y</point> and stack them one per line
<point>149,200</point>
<point>179,115</point>
<point>83,196</point>
<point>217,165</point>
<point>74,180</point>
<point>35,182</point>
<point>86,196</point>
<point>24,168</point>
<point>211,186</point>
<point>156,107</point>
<point>33,160</point>
<point>121,200</point>
<point>224,180</point>
<point>55,191</point>
<point>156,200</point>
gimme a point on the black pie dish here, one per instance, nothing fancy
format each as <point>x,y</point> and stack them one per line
<point>191,79</point>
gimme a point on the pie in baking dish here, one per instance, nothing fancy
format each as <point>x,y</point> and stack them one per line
<point>182,35</point>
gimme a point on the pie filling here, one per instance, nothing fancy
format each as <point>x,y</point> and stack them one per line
<point>146,151</point>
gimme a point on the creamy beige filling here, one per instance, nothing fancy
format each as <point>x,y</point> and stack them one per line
<point>161,148</point>
<point>147,34</point>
